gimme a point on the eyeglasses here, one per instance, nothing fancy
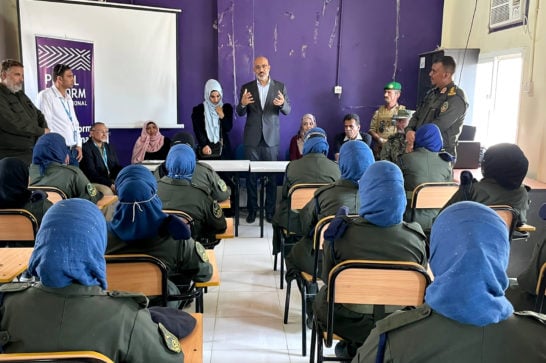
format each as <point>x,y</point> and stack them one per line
<point>106,132</point>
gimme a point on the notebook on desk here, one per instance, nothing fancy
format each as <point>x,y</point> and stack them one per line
<point>468,155</point>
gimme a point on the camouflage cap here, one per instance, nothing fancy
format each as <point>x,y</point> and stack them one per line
<point>394,86</point>
<point>403,114</point>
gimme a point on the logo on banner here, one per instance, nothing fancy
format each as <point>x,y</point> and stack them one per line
<point>78,55</point>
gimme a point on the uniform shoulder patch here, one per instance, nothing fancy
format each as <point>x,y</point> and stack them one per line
<point>444,107</point>
<point>402,318</point>
<point>201,252</point>
<point>541,318</point>
<point>222,185</point>
<point>91,190</point>
<point>171,342</point>
<point>452,91</point>
<point>217,210</point>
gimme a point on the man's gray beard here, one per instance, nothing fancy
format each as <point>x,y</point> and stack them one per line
<point>14,88</point>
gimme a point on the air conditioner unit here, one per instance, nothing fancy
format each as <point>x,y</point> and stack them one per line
<point>505,13</point>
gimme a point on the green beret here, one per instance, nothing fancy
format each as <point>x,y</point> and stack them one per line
<point>393,85</point>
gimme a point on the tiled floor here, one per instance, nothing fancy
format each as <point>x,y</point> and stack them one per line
<point>243,316</point>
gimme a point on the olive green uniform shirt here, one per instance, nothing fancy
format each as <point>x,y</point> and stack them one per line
<point>382,121</point>
<point>70,179</point>
<point>208,217</point>
<point>36,318</point>
<point>424,336</point>
<point>446,108</point>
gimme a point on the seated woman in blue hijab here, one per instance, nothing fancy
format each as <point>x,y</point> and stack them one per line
<point>427,163</point>
<point>177,191</point>
<point>14,191</point>
<point>49,168</point>
<point>313,167</point>
<point>466,317</point>
<point>140,226</point>
<point>69,309</point>
<point>379,233</point>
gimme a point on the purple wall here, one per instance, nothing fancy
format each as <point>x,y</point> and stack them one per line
<point>300,38</point>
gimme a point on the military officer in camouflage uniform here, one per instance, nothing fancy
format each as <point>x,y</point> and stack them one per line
<point>140,226</point>
<point>396,143</point>
<point>379,233</point>
<point>204,175</point>
<point>466,317</point>
<point>176,191</point>
<point>382,125</point>
<point>49,168</point>
<point>70,309</point>
<point>445,105</point>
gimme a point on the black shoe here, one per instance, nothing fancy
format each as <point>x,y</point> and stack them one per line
<point>269,218</point>
<point>251,217</point>
<point>341,349</point>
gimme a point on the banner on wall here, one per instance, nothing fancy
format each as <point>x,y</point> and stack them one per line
<point>79,56</point>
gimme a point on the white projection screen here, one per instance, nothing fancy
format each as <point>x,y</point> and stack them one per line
<point>134,56</point>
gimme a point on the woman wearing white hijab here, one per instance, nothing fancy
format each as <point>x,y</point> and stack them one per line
<point>212,120</point>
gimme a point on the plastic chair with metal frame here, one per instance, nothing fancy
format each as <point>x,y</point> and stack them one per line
<point>18,227</point>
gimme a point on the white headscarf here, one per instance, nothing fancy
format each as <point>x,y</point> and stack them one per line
<point>212,121</point>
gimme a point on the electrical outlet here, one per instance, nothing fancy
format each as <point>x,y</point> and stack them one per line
<point>337,90</point>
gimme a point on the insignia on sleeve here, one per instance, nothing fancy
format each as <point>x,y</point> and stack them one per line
<point>216,210</point>
<point>201,252</point>
<point>222,185</point>
<point>91,190</point>
<point>452,92</point>
<point>444,107</point>
<point>170,340</point>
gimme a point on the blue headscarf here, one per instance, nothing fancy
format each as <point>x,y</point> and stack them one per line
<point>50,148</point>
<point>139,213</point>
<point>212,120</point>
<point>469,251</point>
<point>429,137</point>
<point>382,194</point>
<point>180,162</point>
<point>354,158</point>
<point>315,142</point>
<point>70,245</point>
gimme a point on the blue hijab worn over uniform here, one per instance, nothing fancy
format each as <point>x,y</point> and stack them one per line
<point>180,162</point>
<point>13,183</point>
<point>429,137</point>
<point>315,142</point>
<point>382,195</point>
<point>139,213</point>
<point>70,245</point>
<point>469,251</point>
<point>354,159</point>
<point>506,164</point>
<point>50,148</point>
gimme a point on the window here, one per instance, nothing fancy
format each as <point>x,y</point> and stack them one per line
<point>496,101</point>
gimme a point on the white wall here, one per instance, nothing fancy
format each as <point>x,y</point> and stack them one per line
<point>532,114</point>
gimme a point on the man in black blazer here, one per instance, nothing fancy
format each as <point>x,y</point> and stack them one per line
<point>100,163</point>
<point>261,101</point>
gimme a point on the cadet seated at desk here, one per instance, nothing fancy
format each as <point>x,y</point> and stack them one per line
<point>354,158</point>
<point>177,192</point>
<point>203,176</point>
<point>523,295</point>
<point>426,163</point>
<point>70,309</point>
<point>379,233</point>
<point>504,167</point>
<point>466,317</point>
<point>140,226</point>
<point>49,168</point>
<point>14,192</point>
<point>313,167</point>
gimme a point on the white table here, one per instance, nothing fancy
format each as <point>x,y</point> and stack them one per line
<point>151,165</point>
<point>266,167</point>
<point>236,167</point>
